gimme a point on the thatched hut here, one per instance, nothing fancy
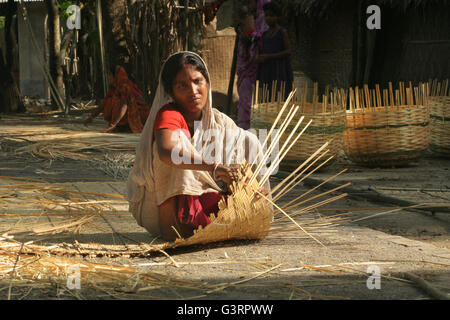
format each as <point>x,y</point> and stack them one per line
<point>333,45</point>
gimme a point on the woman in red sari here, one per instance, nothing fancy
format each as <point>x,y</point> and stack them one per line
<point>123,106</point>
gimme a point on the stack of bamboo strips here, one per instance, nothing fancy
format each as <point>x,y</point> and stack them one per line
<point>387,128</point>
<point>328,119</point>
<point>439,101</point>
<point>19,262</point>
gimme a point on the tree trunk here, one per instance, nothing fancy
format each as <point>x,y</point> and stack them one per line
<point>55,61</point>
<point>10,98</point>
<point>117,26</point>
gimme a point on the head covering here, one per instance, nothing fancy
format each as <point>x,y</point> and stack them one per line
<point>151,181</point>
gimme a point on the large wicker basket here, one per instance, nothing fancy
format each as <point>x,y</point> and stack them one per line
<point>217,51</point>
<point>328,125</point>
<point>380,133</point>
<point>439,102</point>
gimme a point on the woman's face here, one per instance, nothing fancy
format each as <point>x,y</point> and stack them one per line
<point>190,89</point>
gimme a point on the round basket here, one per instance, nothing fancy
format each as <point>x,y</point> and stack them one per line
<point>440,124</point>
<point>328,125</point>
<point>386,136</point>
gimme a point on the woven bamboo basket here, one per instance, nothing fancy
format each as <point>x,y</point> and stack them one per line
<point>217,51</point>
<point>439,103</point>
<point>328,122</point>
<point>383,133</point>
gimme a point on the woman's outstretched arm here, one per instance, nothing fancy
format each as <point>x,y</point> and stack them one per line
<point>115,122</point>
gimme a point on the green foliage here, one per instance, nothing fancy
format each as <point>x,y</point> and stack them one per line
<point>2,22</point>
<point>63,5</point>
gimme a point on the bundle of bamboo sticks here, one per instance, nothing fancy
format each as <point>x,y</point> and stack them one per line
<point>438,88</point>
<point>368,99</point>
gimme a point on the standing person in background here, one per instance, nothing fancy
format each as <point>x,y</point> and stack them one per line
<point>274,59</point>
<point>251,27</point>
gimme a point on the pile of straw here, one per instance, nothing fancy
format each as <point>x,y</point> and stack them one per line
<point>117,164</point>
<point>82,146</point>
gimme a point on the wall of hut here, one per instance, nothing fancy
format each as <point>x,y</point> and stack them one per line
<point>323,46</point>
<point>413,45</point>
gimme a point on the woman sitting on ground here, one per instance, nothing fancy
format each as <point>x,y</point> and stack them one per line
<point>176,184</point>
<point>123,106</point>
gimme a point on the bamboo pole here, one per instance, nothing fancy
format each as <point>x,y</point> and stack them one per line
<point>102,48</point>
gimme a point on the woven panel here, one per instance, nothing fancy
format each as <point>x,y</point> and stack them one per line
<point>440,124</point>
<point>217,51</point>
<point>386,136</point>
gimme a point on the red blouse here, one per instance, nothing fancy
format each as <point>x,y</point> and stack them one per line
<point>168,117</point>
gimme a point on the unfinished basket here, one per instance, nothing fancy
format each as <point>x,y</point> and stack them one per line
<point>383,133</point>
<point>439,103</point>
<point>328,122</point>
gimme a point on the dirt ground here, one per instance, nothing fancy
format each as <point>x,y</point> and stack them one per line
<point>375,235</point>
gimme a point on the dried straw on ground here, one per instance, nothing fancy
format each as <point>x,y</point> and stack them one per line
<point>82,146</point>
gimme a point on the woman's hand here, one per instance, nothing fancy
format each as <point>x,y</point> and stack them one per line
<point>228,174</point>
